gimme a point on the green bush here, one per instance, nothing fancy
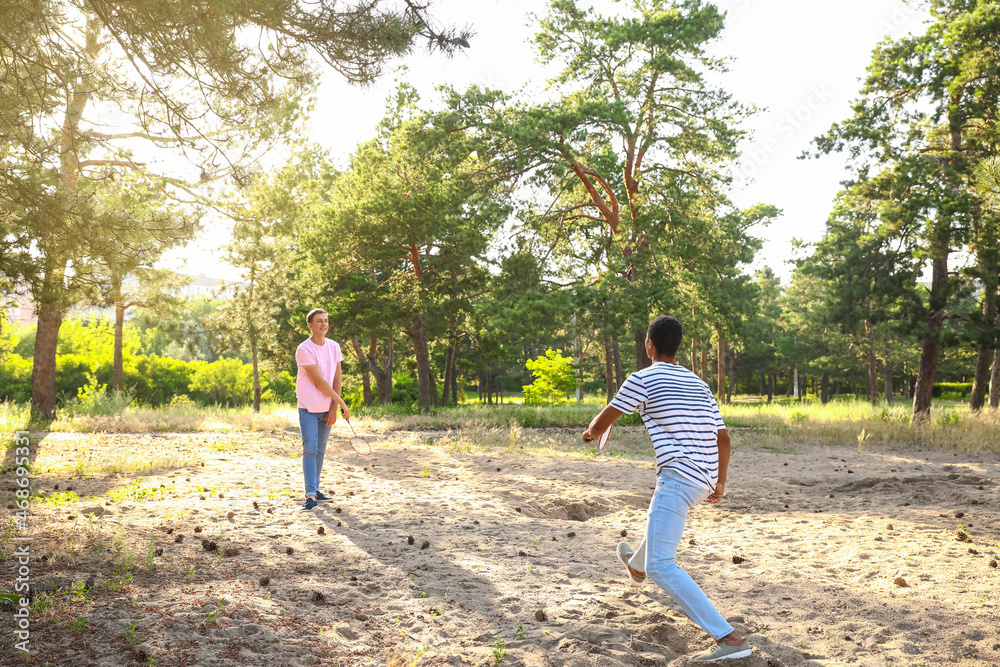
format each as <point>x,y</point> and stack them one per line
<point>73,372</point>
<point>960,389</point>
<point>15,379</point>
<point>554,379</point>
<point>226,382</point>
<point>152,380</point>
<point>405,389</point>
<point>95,399</point>
<point>355,398</point>
<point>277,388</point>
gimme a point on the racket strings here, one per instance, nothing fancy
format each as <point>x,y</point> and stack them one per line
<point>359,444</point>
<point>604,439</point>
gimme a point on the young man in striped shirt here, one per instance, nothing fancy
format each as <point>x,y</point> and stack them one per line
<point>692,457</point>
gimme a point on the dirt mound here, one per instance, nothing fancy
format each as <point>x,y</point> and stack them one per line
<point>564,508</point>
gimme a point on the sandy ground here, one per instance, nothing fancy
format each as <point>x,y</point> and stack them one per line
<point>464,555</point>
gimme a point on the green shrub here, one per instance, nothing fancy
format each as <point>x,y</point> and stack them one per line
<point>15,379</point>
<point>227,382</point>
<point>959,389</point>
<point>355,398</point>
<point>278,387</point>
<point>405,389</point>
<point>554,379</point>
<point>153,380</point>
<point>182,402</point>
<point>73,372</point>
<point>95,399</point>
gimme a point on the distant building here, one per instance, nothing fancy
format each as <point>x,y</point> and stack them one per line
<point>202,285</point>
<point>23,308</point>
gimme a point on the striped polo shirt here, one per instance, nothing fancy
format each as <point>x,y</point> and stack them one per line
<point>681,416</point>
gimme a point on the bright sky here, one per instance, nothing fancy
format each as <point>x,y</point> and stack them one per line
<point>798,61</point>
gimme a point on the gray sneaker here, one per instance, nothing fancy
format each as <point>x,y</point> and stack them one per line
<point>724,651</point>
<point>624,552</point>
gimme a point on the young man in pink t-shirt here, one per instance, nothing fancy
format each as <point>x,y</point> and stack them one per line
<point>317,387</point>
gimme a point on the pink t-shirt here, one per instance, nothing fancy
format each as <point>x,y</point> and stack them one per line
<point>326,357</point>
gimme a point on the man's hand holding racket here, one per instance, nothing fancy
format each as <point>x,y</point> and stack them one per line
<point>600,427</point>
<point>331,415</point>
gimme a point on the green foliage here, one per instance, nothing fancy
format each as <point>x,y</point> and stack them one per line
<point>61,498</point>
<point>499,650</point>
<point>96,399</point>
<point>960,389</point>
<point>15,379</point>
<point>278,387</point>
<point>186,331</point>
<point>226,382</point>
<point>149,380</point>
<point>155,380</point>
<point>554,379</point>
<point>405,390</point>
<point>73,372</point>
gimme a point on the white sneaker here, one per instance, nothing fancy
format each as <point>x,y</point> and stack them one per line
<point>724,651</point>
<point>624,552</point>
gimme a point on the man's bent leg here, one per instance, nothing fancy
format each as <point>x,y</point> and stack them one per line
<point>667,514</point>
<point>309,424</point>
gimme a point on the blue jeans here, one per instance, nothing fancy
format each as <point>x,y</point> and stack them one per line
<point>668,511</point>
<point>315,433</point>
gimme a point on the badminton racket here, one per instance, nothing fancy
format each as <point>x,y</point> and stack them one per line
<point>604,439</point>
<point>359,444</point>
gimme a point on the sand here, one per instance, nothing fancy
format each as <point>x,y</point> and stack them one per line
<point>459,555</point>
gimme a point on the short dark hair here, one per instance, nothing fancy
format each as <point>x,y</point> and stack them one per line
<point>312,313</point>
<point>665,332</point>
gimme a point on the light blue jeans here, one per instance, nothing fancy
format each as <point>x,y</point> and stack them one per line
<point>315,433</point>
<point>655,556</point>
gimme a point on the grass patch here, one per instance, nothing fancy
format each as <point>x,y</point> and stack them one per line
<point>950,427</point>
<point>780,423</point>
<point>60,498</point>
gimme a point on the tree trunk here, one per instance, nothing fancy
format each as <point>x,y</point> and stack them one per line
<point>383,376</point>
<point>256,376</point>
<point>872,368</point>
<point>609,377</point>
<point>641,360</point>
<point>694,356</point>
<point>117,367</point>
<point>432,381</point>
<point>732,378</point>
<point>932,341</point>
<point>366,381</point>
<point>704,363</point>
<point>425,381</point>
<point>795,383</point>
<point>43,369</point>
<point>449,371</point>
<point>721,390</point>
<point>887,388</point>
<point>770,387</point>
<point>987,350</point>
<point>619,372</point>
<point>995,382</point>
<point>825,388</point>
